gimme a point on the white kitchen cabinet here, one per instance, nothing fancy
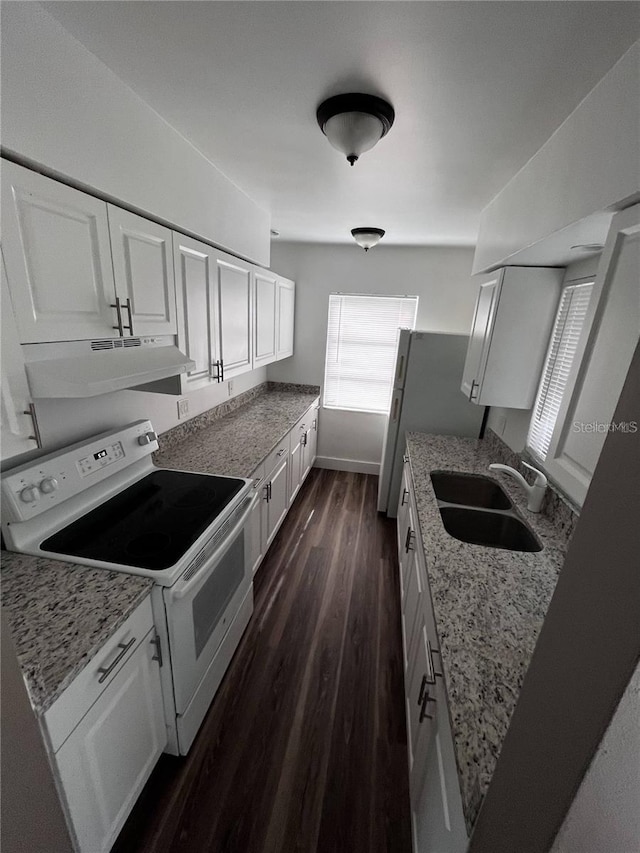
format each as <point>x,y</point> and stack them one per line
<point>266,290</point>
<point>258,521</point>
<point>57,253</point>
<point>309,444</point>
<point>196,287</point>
<point>18,421</point>
<point>297,455</point>
<point>436,805</point>
<point>107,732</point>
<point>278,498</point>
<point>509,335</point>
<point>286,292</point>
<point>234,316</point>
<point>143,270</point>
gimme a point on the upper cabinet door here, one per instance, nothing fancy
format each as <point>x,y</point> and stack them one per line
<point>195,274</point>
<point>58,259</point>
<point>286,305</point>
<point>480,336</point>
<point>266,299</point>
<point>143,267</point>
<point>234,315</point>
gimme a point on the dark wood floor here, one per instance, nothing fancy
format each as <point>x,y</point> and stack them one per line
<point>304,747</point>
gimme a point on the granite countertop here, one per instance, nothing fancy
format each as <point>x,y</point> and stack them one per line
<point>235,444</point>
<point>60,615</point>
<point>489,606</point>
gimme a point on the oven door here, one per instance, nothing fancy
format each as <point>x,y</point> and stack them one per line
<point>201,605</point>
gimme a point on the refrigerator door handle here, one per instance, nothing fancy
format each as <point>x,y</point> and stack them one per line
<point>394,411</point>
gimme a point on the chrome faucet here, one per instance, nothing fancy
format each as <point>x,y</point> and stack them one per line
<point>535,493</point>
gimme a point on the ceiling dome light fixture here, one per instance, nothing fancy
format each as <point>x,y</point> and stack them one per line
<point>367,237</point>
<point>353,123</point>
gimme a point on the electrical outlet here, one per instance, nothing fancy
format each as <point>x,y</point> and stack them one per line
<point>230,384</point>
<point>183,408</point>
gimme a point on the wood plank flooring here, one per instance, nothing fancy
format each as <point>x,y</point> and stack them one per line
<point>304,748</point>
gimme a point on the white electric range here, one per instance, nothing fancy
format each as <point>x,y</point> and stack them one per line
<point>103,503</point>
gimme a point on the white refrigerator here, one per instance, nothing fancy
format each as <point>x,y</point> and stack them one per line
<point>426,398</point>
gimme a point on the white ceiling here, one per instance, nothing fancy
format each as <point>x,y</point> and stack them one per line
<point>477,88</point>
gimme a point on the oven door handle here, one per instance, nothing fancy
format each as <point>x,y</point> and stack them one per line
<point>176,592</point>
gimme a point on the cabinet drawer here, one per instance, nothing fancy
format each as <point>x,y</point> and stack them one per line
<point>276,456</point>
<point>90,683</point>
<point>303,425</point>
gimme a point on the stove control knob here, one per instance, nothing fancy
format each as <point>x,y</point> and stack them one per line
<point>48,485</point>
<point>147,438</point>
<point>29,494</point>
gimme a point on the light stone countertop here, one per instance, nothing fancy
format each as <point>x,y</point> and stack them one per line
<point>60,614</point>
<point>489,606</point>
<point>237,443</point>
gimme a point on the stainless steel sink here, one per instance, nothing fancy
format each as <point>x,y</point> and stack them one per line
<point>470,490</point>
<point>495,529</point>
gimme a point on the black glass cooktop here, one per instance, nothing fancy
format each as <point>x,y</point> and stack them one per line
<point>149,525</point>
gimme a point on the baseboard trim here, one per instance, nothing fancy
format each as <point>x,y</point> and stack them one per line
<point>355,465</point>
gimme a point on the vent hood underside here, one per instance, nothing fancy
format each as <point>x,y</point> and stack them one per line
<point>76,370</point>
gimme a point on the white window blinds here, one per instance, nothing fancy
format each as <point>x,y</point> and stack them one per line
<point>567,329</point>
<point>362,339</point>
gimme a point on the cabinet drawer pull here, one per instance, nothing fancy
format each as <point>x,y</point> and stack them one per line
<point>221,370</point>
<point>118,308</point>
<point>127,305</point>
<point>257,481</point>
<point>408,545</point>
<point>282,452</point>
<point>265,496</point>
<point>474,384</point>
<point>423,687</point>
<point>405,458</point>
<point>423,709</point>
<point>405,495</point>
<point>433,652</point>
<point>106,671</point>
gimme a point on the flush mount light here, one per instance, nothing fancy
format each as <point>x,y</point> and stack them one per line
<point>367,237</point>
<point>354,123</point>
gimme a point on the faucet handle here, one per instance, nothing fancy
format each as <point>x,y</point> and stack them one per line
<point>541,479</point>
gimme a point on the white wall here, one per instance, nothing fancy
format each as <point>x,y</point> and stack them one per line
<point>441,277</point>
<point>589,164</point>
<point>64,109</point>
<point>605,814</point>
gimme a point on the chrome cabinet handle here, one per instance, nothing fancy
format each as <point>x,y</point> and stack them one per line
<point>127,305</point>
<point>31,411</point>
<point>221,370</point>
<point>265,496</point>
<point>405,458</point>
<point>423,708</point>
<point>408,545</point>
<point>405,495</point>
<point>305,440</point>
<point>270,487</point>
<point>315,424</point>
<point>155,641</point>
<point>474,384</point>
<point>106,671</point>
<point>219,377</point>
<point>118,308</point>
<point>423,687</point>
<point>282,452</point>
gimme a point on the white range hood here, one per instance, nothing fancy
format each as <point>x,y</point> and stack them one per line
<point>89,368</point>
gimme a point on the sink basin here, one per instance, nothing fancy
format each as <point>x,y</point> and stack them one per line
<point>489,528</point>
<point>470,490</point>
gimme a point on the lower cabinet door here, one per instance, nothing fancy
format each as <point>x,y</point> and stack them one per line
<point>256,525</point>
<point>278,498</point>
<point>296,460</point>
<point>106,760</point>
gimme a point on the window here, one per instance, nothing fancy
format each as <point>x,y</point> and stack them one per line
<point>362,338</point>
<point>565,337</point>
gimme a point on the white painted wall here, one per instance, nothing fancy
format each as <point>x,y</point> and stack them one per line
<point>65,110</point>
<point>590,163</point>
<point>605,814</point>
<point>441,277</point>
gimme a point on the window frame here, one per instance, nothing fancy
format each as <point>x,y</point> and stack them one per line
<point>388,296</point>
